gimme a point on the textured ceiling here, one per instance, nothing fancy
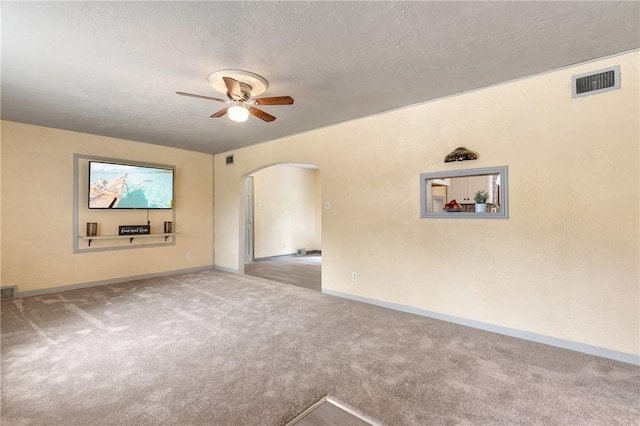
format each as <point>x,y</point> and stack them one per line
<point>112,68</point>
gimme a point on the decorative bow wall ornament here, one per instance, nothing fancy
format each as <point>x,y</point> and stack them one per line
<point>460,154</point>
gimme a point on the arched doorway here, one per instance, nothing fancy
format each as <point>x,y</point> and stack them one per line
<point>283,224</point>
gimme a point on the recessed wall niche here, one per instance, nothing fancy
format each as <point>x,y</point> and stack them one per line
<point>109,220</point>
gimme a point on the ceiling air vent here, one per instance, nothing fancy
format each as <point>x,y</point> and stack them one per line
<point>595,82</point>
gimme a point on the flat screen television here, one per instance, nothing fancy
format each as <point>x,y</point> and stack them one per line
<point>129,186</point>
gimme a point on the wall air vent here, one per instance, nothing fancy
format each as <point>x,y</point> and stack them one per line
<point>8,292</point>
<point>229,159</point>
<point>595,82</point>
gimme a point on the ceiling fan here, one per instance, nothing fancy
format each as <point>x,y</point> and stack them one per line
<point>240,88</point>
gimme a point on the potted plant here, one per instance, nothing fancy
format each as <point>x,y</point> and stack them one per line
<point>481,198</point>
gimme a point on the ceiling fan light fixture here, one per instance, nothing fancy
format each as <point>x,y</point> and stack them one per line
<point>240,87</point>
<point>238,113</point>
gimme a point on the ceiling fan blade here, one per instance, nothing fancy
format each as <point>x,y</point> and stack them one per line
<point>233,86</point>
<point>220,113</point>
<point>200,96</point>
<point>261,114</point>
<point>276,100</point>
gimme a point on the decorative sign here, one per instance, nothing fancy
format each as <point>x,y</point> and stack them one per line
<point>134,229</point>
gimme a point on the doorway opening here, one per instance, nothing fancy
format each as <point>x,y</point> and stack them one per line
<point>283,224</point>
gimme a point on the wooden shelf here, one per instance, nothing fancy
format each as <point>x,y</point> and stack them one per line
<point>130,237</point>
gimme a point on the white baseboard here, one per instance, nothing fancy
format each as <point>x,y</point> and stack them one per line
<point>78,286</point>
<point>525,335</point>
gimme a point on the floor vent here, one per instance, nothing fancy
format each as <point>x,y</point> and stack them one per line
<point>8,292</point>
<point>595,82</point>
<point>301,252</point>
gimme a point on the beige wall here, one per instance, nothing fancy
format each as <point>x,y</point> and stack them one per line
<point>566,262</point>
<point>1,245</point>
<point>286,210</point>
<point>37,210</point>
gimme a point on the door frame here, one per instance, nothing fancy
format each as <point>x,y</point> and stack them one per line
<point>248,220</point>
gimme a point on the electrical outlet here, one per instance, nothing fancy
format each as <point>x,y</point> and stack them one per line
<point>354,276</point>
<point>187,255</point>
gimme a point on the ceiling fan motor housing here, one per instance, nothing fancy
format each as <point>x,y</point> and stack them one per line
<point>246,93</point>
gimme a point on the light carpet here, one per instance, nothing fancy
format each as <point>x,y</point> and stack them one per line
<point>214,348</point>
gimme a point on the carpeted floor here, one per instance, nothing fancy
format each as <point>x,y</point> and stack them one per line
<point>214,348</point>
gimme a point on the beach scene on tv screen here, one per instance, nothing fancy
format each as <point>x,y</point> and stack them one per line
<point>121,186</point>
